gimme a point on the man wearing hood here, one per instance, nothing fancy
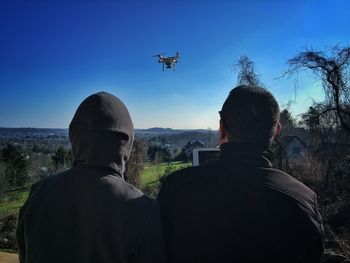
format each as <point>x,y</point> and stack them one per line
<point>89,213</point>
<point>240,209</point>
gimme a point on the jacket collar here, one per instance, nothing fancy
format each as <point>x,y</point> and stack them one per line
<point>246,153</point>
<point>98,171</point>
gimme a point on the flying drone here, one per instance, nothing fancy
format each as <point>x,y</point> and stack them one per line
<point>169,62</point>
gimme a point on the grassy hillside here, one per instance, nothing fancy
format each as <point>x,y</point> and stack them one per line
<point>149,181</point>
<point>12,202</point>
<point>152,172</point>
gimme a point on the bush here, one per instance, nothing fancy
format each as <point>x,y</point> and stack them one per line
<point>62,159</point>
<point>329,176</point>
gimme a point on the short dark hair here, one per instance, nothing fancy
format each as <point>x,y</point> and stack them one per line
<point>251,114</point>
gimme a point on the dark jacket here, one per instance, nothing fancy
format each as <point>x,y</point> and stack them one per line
<point>239,209</point>
<point>89,213</point>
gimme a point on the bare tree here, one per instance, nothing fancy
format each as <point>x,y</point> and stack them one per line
<point>135,164</point>
<point>332,68</point>
<point>322,126</point>
<point>246,70</point>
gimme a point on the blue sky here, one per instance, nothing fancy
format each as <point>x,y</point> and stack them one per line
<point>54,54</point>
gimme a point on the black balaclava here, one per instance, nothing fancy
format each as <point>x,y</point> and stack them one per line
<point>101,133</point>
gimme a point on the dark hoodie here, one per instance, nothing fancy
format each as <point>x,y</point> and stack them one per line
<point>89,213</point>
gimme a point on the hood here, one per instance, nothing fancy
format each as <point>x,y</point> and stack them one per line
<point>101,133</point>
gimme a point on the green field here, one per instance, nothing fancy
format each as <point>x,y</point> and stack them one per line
<point>149,181</point>
<point>151,173</point>
<point>12,202</point>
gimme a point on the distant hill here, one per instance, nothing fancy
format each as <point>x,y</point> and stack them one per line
<point>50,139</point>
<point>31,132</point>
<point>154,131</point>
<point>45,132</point>
<point>157,131</point>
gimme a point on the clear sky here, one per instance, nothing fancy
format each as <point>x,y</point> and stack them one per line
<point>53,54</point>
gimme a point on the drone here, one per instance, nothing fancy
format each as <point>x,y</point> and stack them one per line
<point>169,62</point>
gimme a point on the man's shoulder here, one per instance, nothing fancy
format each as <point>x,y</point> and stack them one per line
<point>113,189</point>
<point>134,197</point>
<point>49,180</point>
<point>108,184</point>
<point>191,174</point>
<point>289,186</point>
<point>187,179</point>
<point>285,183</point>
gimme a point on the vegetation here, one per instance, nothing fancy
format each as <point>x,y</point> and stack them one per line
<point>153,175</point>
<point>332,69</point>
<point>136,163</point>
<point>246,72</point>
<point>14,167</point>
<point>158,153</point>
<point>11,202</point>
<point>62,158</point>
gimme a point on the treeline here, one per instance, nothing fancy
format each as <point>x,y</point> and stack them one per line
<point>20,168</point>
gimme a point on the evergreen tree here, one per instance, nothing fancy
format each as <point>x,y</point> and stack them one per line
<point>16,172</point>
<point>62,158</point>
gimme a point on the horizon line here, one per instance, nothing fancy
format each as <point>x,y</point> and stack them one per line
<point>2,127</point>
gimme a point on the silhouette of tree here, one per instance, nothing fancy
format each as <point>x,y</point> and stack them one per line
<point>246,70</point>
<point>332,69</point>
<point>3,180</point>
<point>182,156</point>
<point>287,120</point>
<point>135,164</point>
<point>280,145</point>
<point>62,158</point>
<point>155,152</point>
<point>15,162</point>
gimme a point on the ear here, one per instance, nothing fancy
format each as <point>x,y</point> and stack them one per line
<point>278,129</point>
<point>223,135</point>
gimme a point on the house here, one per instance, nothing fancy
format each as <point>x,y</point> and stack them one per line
<point>294,147</point>
<point>189,147</point>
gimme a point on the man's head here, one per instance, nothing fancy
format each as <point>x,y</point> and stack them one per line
<point>101,133</point>
<point>249,114</point>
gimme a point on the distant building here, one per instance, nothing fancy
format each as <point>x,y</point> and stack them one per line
<point>295,147</point>
<point>189,147</point>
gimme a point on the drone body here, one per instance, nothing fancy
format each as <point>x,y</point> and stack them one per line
<point>168,62</point>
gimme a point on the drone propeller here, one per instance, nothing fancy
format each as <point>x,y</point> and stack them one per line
<point>159,55</point>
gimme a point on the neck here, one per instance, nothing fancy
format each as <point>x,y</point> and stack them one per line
<point>246,152</point>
